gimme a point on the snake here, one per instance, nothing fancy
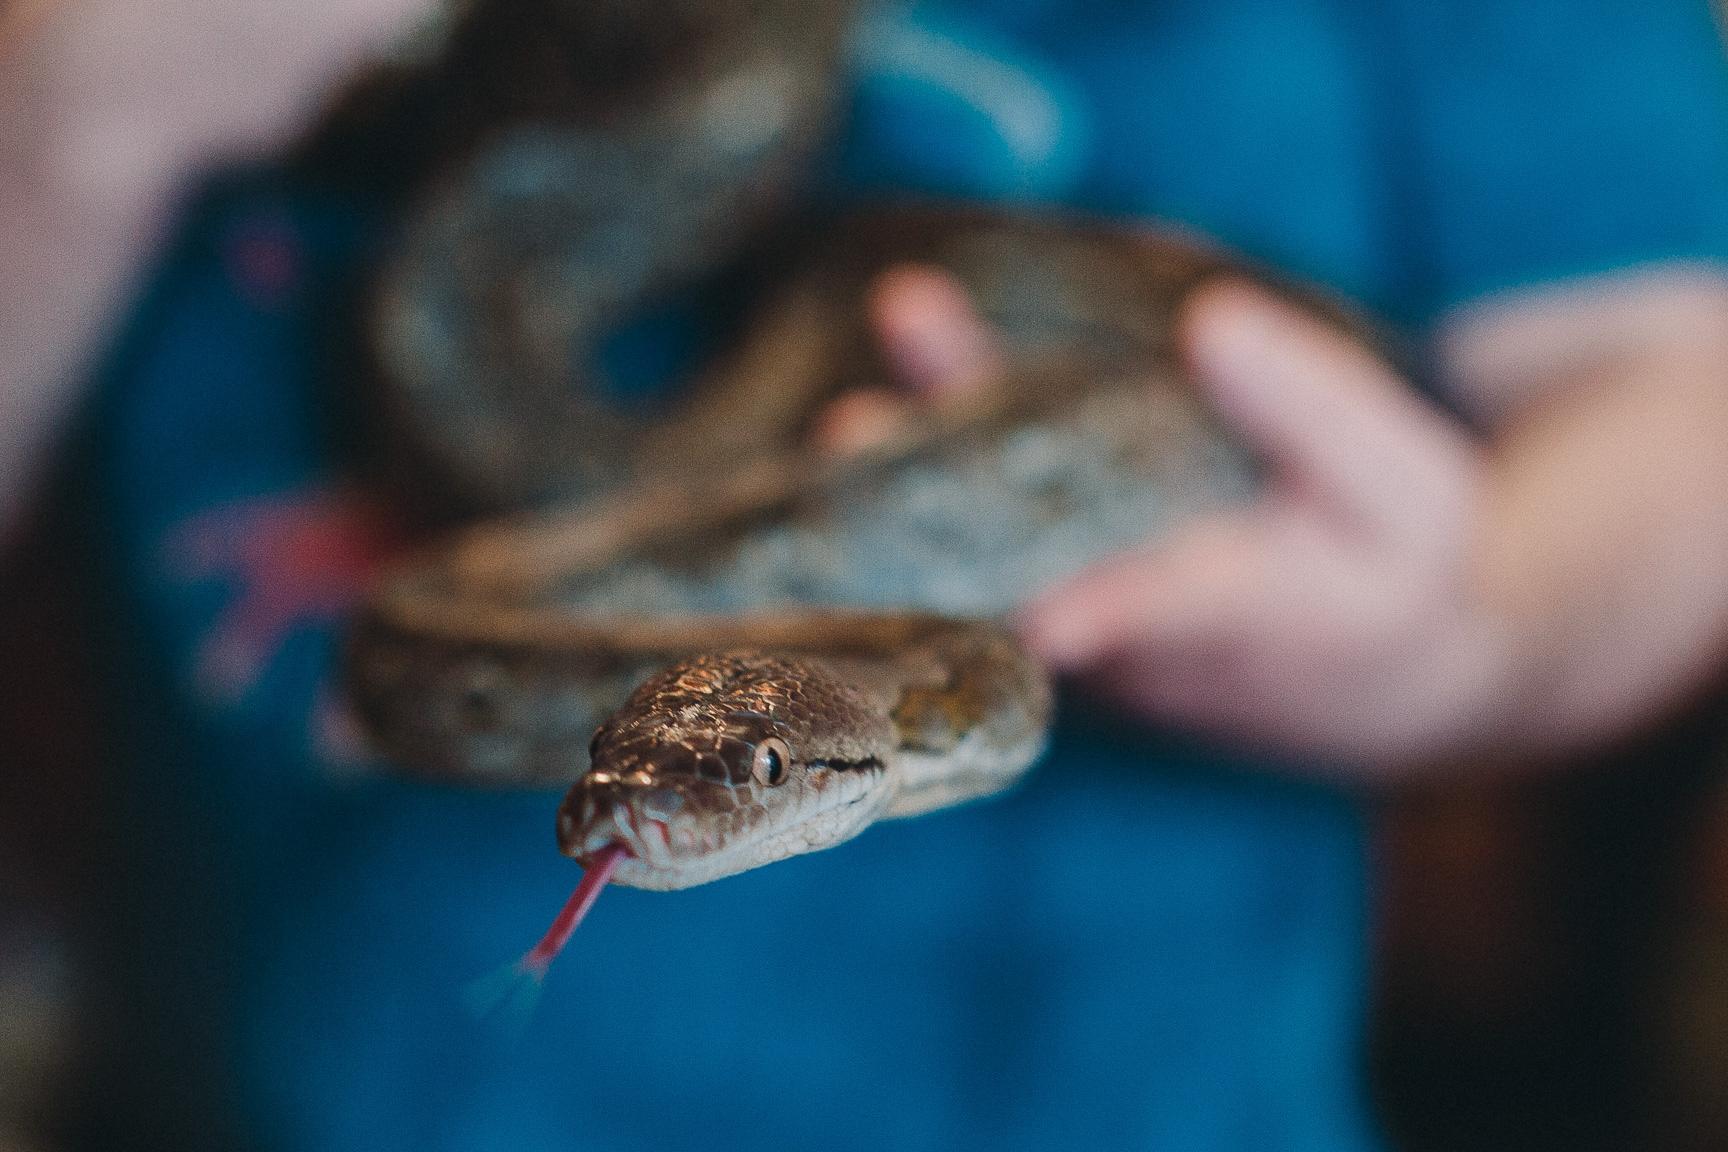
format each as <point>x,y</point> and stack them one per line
<point>729,646</point>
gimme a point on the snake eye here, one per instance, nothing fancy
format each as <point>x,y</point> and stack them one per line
<point>771,760</point>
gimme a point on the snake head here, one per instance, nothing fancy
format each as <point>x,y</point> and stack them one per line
<point>726,762</point>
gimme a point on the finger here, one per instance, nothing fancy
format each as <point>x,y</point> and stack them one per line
<point>859,420</point>
<point>1177,687</point>
<point>1204,589</point>
<point>1330,417</point>
<point>932,335</point>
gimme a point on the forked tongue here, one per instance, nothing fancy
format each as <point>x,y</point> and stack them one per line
<point>511,992</point>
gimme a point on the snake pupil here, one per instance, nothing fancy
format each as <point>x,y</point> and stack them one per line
<point>776,767</point>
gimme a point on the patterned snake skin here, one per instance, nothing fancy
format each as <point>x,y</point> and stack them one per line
<point>738,649</point>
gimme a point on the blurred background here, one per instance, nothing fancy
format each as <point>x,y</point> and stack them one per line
<point>1550,958</point>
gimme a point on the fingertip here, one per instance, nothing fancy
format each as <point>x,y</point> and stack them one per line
<point>1060,633</point>
<point>1226,292</point>
<point>857,421</point>
<point>906,301</point>
<point>908,287</point>
<point>931,332</point>
<point>1077,623</point>
<point>1232,330</point>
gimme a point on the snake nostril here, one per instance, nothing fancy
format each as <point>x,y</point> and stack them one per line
<point>711,767</point>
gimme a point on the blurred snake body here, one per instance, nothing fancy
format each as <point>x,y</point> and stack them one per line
<point>730,648</point>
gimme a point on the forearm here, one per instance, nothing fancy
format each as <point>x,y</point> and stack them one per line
<point>1604,525</point>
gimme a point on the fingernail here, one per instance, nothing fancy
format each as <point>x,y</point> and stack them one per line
<point>857,422</point>
<point>932,332</point>
<point>1234,322</point>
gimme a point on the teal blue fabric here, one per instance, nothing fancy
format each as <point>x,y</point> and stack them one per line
<point>1149,947</point>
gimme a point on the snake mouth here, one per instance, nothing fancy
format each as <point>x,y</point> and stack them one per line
<point>648,841</point>
<point>678,838</point>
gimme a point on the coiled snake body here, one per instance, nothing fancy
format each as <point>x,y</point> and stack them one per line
<point>737,649</point>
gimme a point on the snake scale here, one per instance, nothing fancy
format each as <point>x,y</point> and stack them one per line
<point>737,648</point>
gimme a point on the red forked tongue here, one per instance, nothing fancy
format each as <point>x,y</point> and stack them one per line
<point>600,868</point>
<point>512,990</point>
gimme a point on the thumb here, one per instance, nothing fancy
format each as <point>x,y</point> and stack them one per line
<point>1331,419</point>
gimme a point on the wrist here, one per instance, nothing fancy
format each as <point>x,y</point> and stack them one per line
<point>1566,651</point>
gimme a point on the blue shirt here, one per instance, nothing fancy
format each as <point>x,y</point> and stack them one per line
<point>1147,947</point>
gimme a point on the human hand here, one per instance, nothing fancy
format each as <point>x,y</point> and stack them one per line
<point>937,346</point>
<point>1338,614</point>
